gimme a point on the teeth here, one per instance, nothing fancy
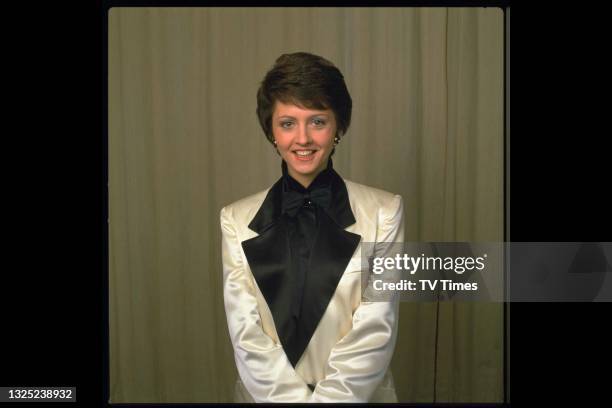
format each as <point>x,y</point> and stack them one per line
<point>304,152</point>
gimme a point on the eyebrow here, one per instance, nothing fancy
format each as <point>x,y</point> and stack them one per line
<point>311,116</point>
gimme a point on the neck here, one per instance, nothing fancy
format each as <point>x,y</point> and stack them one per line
<point>304,179</point>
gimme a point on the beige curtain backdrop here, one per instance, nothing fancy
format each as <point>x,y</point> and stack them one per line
<point>427,88</point>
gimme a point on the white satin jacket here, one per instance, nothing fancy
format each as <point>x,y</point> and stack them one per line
<point>350,344</point>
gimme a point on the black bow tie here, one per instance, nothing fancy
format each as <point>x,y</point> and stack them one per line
<point>294,200</point>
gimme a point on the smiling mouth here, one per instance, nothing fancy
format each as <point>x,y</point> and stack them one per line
<point>304,153</point>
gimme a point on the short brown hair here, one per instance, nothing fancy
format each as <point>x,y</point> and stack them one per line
<point>306,80</point>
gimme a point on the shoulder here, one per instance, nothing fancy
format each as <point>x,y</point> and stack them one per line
<point>375,207</point>
<point>371,196</point>
<point>244,210</point>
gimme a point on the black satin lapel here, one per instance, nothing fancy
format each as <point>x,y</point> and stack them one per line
<point>330,256</point>
<point>270,209</point>
<point>341,211</point>
<point>268,257</point>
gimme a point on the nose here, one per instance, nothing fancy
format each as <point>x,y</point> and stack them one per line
<point>303,135</point>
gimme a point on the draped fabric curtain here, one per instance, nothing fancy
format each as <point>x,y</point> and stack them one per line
<point>183,140</point>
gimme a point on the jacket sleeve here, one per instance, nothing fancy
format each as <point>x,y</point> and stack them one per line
<point>262,364</point>
<point>359,361</point>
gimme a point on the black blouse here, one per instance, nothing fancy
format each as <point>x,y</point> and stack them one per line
<point>302,205</point>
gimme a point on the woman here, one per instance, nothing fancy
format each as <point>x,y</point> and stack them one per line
<point>292,255</point>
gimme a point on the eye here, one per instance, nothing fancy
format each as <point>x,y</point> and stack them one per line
<point>318,122</point>
<point>286,124</point>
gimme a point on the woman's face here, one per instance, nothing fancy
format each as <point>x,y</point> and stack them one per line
<point>304,139</point>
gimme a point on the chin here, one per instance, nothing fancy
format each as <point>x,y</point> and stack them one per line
<point>306,168</point>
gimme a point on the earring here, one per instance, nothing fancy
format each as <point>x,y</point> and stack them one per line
<point>274,143</point>
<point>336,140</point>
